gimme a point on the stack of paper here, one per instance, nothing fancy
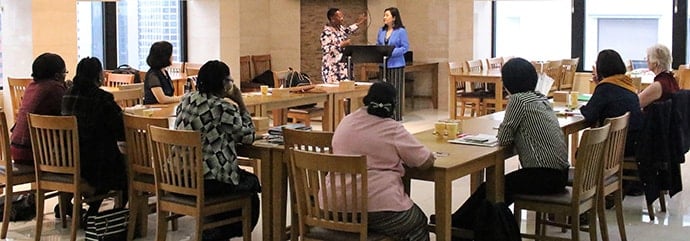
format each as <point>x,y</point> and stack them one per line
<point>477,140</point>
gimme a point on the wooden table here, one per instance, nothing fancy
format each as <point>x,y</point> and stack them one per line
<point>335,107</point>
<point>485,76</point>
<point>470,160</point>
<point>178,81</point>
<point>274,103</point>
<point>430,67</point>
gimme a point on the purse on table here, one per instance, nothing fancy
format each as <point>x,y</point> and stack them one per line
<point>108,225</point>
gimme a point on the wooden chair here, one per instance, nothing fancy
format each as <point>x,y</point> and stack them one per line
<point>131,86</point>
<point>569,67</point>
<point>465,99</point>
<point>176,67</point>
<point>494,63</point>
<point>339,212</point>
<point>246,75</point>
<point>611,181</point>
<point>579,199</point>
<point>140,170</point>
<point>193,69</point>
<point>489,95</point>
<point>261,63</point>
<point>115,80</point>
<point>178,171</point>
<point>10,174</point>
<point>55,142</point>
<point>683,77</point>
<point>316,141</point>
<point>17,88</point>
<point>128,97</point>
<point>553,69</point>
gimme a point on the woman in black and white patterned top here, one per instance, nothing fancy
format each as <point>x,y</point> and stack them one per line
<point>529,125</point>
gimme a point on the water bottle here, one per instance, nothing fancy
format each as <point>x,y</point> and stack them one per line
<point>188,86</point>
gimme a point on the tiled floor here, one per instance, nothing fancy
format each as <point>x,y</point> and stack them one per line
<point>671,225</point>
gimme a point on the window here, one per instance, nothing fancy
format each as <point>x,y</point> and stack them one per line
<point>140,23</point>
<point>525,29</point>
<point>612,24</point>
<point>90,30</point>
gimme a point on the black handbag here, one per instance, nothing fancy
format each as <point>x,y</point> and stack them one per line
<point>248,182</point>
<point>109,225</point>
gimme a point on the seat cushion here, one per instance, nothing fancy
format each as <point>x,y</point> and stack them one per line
<point>19,169</point>
<point>333,235</point>
<point>209,199</point>
<point>561,198</point>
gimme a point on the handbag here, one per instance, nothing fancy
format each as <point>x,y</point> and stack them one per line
<point>108,225</point>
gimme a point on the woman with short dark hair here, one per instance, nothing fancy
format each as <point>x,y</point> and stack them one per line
<point>216,109</point>
<point>43,96</point>
<point>531,127</point>
<point>158,87</point>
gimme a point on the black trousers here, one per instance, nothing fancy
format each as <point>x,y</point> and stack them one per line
<point>212,187</point>
<point>534,181</point>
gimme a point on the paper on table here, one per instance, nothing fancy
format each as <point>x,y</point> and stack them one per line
<point>478,140</point>
<point>544,84</point>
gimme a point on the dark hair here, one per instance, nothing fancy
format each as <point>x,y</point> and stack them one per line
<point>397,23</point>
<point>519,76</point>
<point>331,12</point>
<point>609,63</point>
<point>47,66</point>
<point>159,55</point>
<point>212,76</point>
<point>380,100</point>
<point>89,72</point>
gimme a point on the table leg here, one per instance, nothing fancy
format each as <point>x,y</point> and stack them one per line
<point>266,198</point>
<point>452,106</point>
<point>279,194</point>
<point>495,179</point>
<point>434,86</point>
<point>443,194</point>
<point>499,95</point>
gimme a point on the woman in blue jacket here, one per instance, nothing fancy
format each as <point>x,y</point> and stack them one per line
<point>393,33</point>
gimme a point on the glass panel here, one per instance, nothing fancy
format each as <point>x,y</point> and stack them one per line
<point>524,28</point>
<point>627,26</point>
<point>90,29</point>
<point>140,23</point>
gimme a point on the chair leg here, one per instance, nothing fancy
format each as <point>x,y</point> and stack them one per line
<point>662,200</point>
<point>593,224</point>
<point>618,195</point>
<point>76,216</point>
<point>246,215</point>
<point>7,208</point>
<point>40,202</point>
<point>601,212</point>
<point>199,227</point>
<point>174,224</point>
<point>63,202</point>
<point>162,225</point>
<point>575,222</point>
<point>133,213</point>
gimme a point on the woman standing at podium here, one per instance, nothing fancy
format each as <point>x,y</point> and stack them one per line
<point>393,33</point>
<point>334,38</point>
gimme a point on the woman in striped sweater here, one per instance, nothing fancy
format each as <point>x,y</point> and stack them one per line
<point>531,128</point>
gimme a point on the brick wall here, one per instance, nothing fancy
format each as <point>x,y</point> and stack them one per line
<point>313,18</point>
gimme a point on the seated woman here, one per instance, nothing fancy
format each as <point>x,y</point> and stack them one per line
<point>101,131</point>
<point>224,124</point>
<point>664,85</point>
<point>158,87</point>
<point>388,147</point>
<point>613,96</point>
<point>531,127</point>
<point>43,96</point>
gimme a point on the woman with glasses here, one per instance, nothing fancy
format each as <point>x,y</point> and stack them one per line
<point>43,96</point>
<point>216,109</point>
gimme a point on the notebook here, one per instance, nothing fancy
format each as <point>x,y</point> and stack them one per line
<point>476,140</point>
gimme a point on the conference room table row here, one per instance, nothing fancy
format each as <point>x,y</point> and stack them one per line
<point>458,161</point>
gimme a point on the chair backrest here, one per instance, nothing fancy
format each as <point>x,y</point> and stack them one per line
<point>455,67</point>
<point>192,68</point>
<point>115,80</point>
<point>683,77</point>
<point>246,73</point>
<point>494,63</point>
<point>589,162</point>
<point>615,145</point>
<point>176,67</point>
<point>131,86</point>
<point>473,65</point>
<point>553,69</point>
<point>261,63</point>
<point>177,162</point>
<point>335,207</point>
<point>138,151</point>
<point>55,144</point>
<point>569,67</point>
<point>314,141</point>
<point>17,88</point>
<point>128,97</point>
<point>5,157</point>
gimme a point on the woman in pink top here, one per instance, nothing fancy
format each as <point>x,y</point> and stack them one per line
<point>372,132</point>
